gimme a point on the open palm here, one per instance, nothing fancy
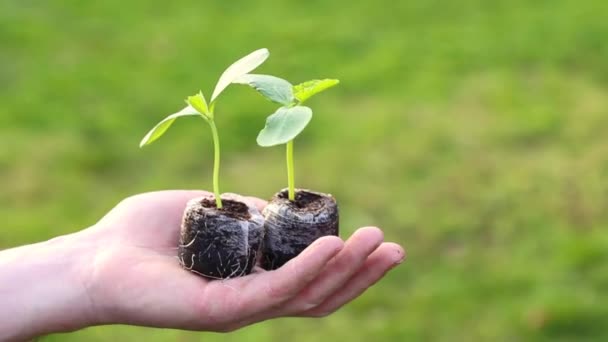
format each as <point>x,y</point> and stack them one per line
<point>137,279</point>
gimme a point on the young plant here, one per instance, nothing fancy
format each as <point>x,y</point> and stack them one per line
<point>220,238</point>
<point>294,218</point>
<point>291,118</point>
<point>197,106</point>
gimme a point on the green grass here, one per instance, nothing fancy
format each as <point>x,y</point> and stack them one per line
<point>473,132</point>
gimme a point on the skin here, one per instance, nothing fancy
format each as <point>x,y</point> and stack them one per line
<point>124,270</point>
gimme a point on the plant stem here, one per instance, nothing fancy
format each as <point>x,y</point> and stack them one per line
<point>216,164</point>
<point>290,173</point>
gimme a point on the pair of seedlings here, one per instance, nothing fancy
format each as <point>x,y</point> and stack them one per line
<point>223,237</point>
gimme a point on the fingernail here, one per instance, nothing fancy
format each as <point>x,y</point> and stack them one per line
<point>401,255</point>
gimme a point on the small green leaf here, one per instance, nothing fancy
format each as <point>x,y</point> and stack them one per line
<point>199,103</point>
<point>164,125</point>
<point>241,67</point>
<point>273,88</point>
<point>284,125</point>
<point>304,91</point>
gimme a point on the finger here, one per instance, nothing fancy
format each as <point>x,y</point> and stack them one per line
<point>257,202</point>
<point>338,271</point>
<point>386,257</point>
<point>270,289</point>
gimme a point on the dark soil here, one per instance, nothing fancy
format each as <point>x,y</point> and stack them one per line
<point>220,243</point>
<point>230,208</point>
<point>291,226</point>
<point>305,200</point>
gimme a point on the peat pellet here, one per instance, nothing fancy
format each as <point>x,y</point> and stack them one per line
<point>291,226</point>
<point>220,243</point>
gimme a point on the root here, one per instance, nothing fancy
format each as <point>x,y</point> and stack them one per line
<point>207,250</point>
<point>191,242</point>
<point>192,263</point>
<point>233,272</point>
<point>190,268</point>
<point>205,275</point>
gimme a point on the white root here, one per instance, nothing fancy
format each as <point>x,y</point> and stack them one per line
<point>191,242</point>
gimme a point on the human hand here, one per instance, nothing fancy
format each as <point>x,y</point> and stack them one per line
<point>130,273</point>
<point>139,278</point>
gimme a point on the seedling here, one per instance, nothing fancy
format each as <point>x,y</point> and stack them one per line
<point>197,106</point>
<point>294,218</point>
<point>291,118</point>
<point>219,238</point>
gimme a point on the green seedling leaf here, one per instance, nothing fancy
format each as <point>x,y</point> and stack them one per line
<point>273,88</point>
<point>239,68</point>
<point>164,125</point>
<point>304,91</point>
<point>284,125</point>
<point>199,103</point>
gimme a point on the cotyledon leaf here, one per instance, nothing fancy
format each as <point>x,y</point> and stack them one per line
<point>238,68</point>
<point>164,125</point>
<point>273,88</point>
<point>199,103</point>
<point>305,90</point>
<point>284,125</point>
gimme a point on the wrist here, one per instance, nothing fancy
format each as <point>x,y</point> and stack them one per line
<point>42,287</point>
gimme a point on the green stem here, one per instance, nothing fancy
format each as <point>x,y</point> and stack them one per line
<point>290,175</point>
<point>216,164</point>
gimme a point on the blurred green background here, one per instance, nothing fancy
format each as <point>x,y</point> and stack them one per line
<point>474,132</point>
